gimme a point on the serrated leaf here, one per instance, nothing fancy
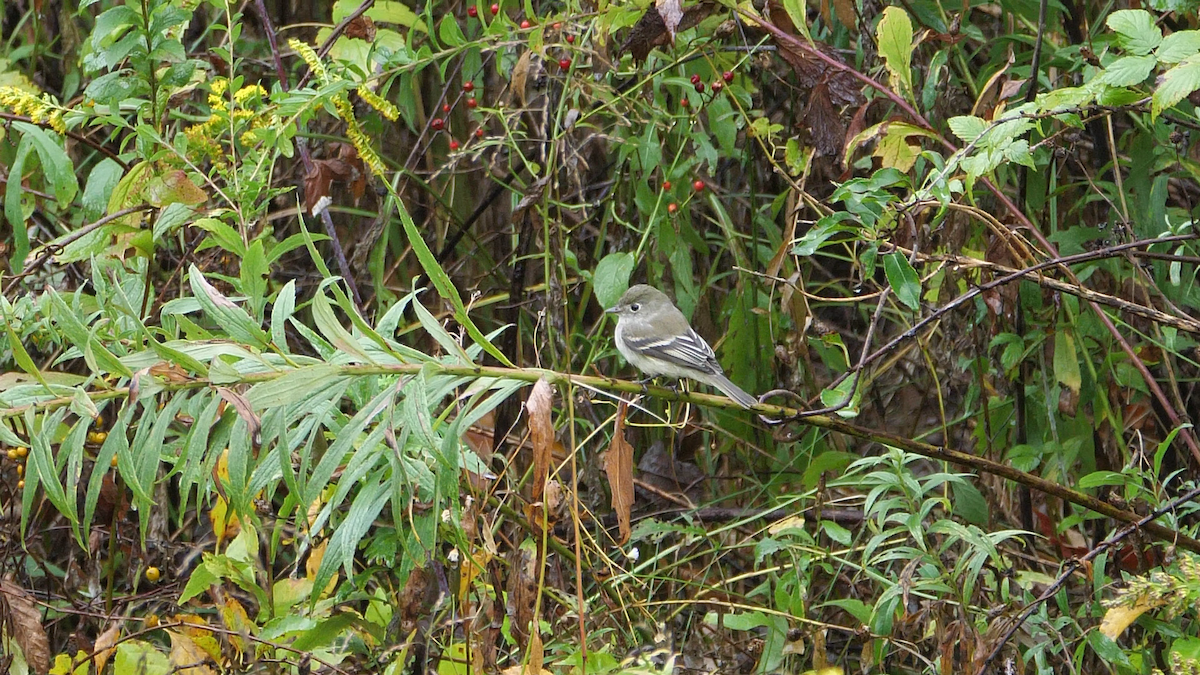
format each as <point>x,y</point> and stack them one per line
<point>1178,46</point>
<point>967,127</point>
<point>1129,70</point>
<point>1175,85</point>
<point>1135,29</point>
<point>903,279</point>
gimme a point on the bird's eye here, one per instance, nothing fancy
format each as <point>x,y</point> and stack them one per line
<point>634,307</point>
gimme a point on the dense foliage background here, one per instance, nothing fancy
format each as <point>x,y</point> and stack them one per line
<point>306,367</point>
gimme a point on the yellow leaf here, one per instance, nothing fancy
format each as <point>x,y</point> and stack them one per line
<point>1117,619</point>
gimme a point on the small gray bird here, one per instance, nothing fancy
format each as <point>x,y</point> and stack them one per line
<point>653,335</point>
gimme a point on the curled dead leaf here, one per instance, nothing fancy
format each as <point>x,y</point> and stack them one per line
<point>25,622</point>
<point>618,466</point>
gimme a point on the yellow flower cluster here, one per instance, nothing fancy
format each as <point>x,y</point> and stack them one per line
<point>345,110</point>
<point>40,109</point>
<point>203,136</point>
<point>384,106</point>
<point>310,57</point>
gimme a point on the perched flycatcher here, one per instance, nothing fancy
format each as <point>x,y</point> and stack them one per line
<point>653,336</point>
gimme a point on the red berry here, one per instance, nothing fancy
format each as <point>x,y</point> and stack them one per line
<point>479,133</point>
<point>727,76</point>
<point>495,8</point>
<point>672,207</point>
<point>685,102</point>
<point>571,39</point>
<point>445,107</point>
<point>471,102</point>
<point>437,124</point>
<point>700,87</point>
<point>717,86</point>
<point>564,63</point>
<point>525,24</point>
<point>695,79</point>
<point>557,25</point>
<point>698,185</point>
<point>666,185</point>
<point>453,145</point>
<point>468,86</point>
<point>473,11</point>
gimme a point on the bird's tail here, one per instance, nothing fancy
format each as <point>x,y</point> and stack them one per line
<point>732,390</point>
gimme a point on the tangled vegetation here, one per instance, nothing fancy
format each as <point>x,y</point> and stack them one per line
<point>307,367</point>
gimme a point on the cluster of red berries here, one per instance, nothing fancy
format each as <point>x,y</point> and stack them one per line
<point>717,85</point>
<point>697,185</point>
<point>473,11</point>
<point>439,124</point>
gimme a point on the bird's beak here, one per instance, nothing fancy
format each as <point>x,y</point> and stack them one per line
<point>611,310</point>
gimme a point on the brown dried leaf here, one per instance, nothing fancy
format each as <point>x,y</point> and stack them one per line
<point>520,76</point>
<point>651,30</point>
<point>187,658</point>
<point>846,14</point>
<point>541,432</point>
<point>244,410</point>
<point>106,644</point>
<point>618,465</point>
<point>361,28</point>
<point>522,589</point>
<point>824,123</point>
<point>671,12</point>
<point>25,622</point>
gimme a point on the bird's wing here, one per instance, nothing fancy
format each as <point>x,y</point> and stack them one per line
<point>688,350</point>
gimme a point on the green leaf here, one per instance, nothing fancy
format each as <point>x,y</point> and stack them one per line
<point>836,532</point>
<point>135,657</point>
<point>366,506</point>
<point>895,36</point>
<point>611,278</point>
<point>101,361</point>
<point>281,311</point>
<point>232,318</point>
<point>797,11</point>
<point>1136,32</point>
<point>292,387</point>
<point>1178,46</point>
<point>903,279</point>
<point>1175,85</point>
<point>1129,70</point>
<point>445,287</point>
<point>1099,478</point>
<point>112,23</point>
<point>450,33</point>
<point>100,183</point>
<point>841,395</point>
<point>967,127</point>
<point>14,210</point>
<point>1105,648</point>
<point>969,503</point>
<point>1066,361</point>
